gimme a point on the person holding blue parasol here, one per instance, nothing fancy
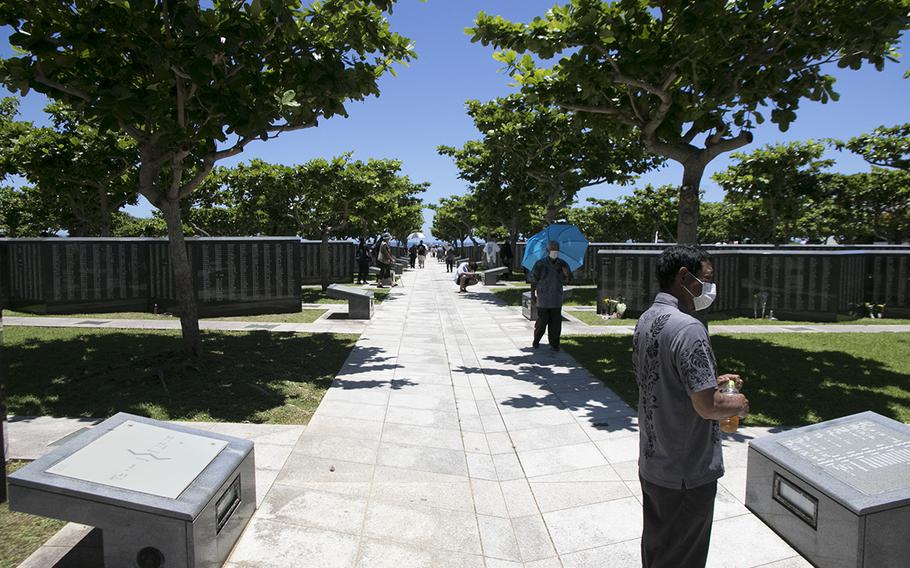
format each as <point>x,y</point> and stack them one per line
<point>550,256</point>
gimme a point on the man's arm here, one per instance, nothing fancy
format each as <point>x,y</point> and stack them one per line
<point>712,404</point>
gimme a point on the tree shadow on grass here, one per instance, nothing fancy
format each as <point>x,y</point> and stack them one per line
<point>256,376</point>
<point>790,380</point>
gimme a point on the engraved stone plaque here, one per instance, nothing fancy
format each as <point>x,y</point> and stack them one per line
<point>865,455</point>
<point>837,491</point>
<point>142,457</point>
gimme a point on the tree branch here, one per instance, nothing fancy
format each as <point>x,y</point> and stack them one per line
<point>45,80</point>
<point>728,145</point>
<point>618,115</point>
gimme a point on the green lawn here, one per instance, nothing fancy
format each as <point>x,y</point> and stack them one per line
<point>790,379</point>
<point>581,295</point>
<point>262,377</point>
<point>304,316</point>
<point>22,534</point>
<point>592,318</point>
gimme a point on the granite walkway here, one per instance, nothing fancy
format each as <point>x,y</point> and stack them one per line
<point>445,441</point>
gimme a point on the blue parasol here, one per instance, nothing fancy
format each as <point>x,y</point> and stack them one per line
<point>572,246</point>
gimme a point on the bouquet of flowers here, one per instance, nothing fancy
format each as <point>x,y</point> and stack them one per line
<point>614,308</point>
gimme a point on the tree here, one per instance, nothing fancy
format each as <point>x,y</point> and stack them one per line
<point>455,218</point>
<point>502,191</point>
<point>247,199</point>
<point>885,147</point>
<point>647,212</point>
<point>340,197</point>
<point>693,78</point>
<point>872,206</point>
<point>24,213</point>
<point>320,199</point>
<point>561,153</point>
<point>192,85</point>
<point>85,175</point>
<point>783,178</point>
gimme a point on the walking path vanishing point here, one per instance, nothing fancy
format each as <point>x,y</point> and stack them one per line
<point>446,441</point>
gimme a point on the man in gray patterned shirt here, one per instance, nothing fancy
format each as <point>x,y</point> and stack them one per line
<point>679,403</point>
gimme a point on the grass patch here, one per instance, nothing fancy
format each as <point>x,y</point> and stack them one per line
<point>260,377</point>
<point>790,379</point>
<point>592,318</point>
<point>304,316</point>
<point>581,295</point>
<point>22,534</point>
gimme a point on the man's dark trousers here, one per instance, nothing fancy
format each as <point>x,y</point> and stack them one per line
<point>677,525</point>
<point>551,320</point>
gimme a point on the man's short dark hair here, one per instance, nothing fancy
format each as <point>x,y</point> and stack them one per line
<point>472,266</point>
<point>675,257</point>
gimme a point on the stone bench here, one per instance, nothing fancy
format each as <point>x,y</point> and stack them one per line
<point>360,302</point>
<point>529,308</point>
<point>491,276</point>
<point>163,495</point>
<point>458,261</point>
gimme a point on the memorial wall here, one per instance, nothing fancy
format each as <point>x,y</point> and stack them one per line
<point>233,276</point>
<point>341,262</point>
<point>801,284</point>
<point>4,274</point>
<point>77,275</point>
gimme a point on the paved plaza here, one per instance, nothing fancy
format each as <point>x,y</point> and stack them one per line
<point>446,441</point>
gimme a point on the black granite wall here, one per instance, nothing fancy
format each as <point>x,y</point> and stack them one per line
<point>4,274</point>
<point>800,284</point>
<point>233,276</point>
<point>342,264</point>
<point>78,275</point>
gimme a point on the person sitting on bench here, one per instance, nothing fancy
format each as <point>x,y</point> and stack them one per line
<point>465,275</point>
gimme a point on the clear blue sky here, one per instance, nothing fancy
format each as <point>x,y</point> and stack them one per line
<point>424,106</point>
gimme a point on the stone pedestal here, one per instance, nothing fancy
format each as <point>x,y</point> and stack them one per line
<point>838,492</point>
<point>360,302</point>
<point>491,276</point>
<point>529,308</point>
<point>163,495</point>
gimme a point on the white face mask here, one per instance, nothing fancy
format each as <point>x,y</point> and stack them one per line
<point>707,296</point>
<point>554,254</point>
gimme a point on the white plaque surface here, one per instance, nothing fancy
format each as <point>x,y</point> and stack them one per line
<point>141,457</point>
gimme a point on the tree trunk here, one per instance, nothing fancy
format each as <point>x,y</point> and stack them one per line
<point>105,212</point>
<point>324,261</point>
<point>183,278</point>
<point>3,434</point>
<point>687,226</point>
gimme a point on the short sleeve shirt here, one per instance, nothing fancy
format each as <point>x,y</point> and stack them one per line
<point>673,359</point>
<point>462,269</point>
<point>549,276</point>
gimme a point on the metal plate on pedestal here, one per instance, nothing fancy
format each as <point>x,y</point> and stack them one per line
<point>867,456</point>
<point>142,457</point>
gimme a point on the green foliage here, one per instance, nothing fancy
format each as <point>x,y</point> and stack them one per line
<point>689,73</point>
<point>886,147</point>
<point>455,218</point>
<point>82,175</point>
<point>648,211</point>
<point>24,213</point>
<point>784,180</point>
<point>537,155</point>
<point>336,198</point>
